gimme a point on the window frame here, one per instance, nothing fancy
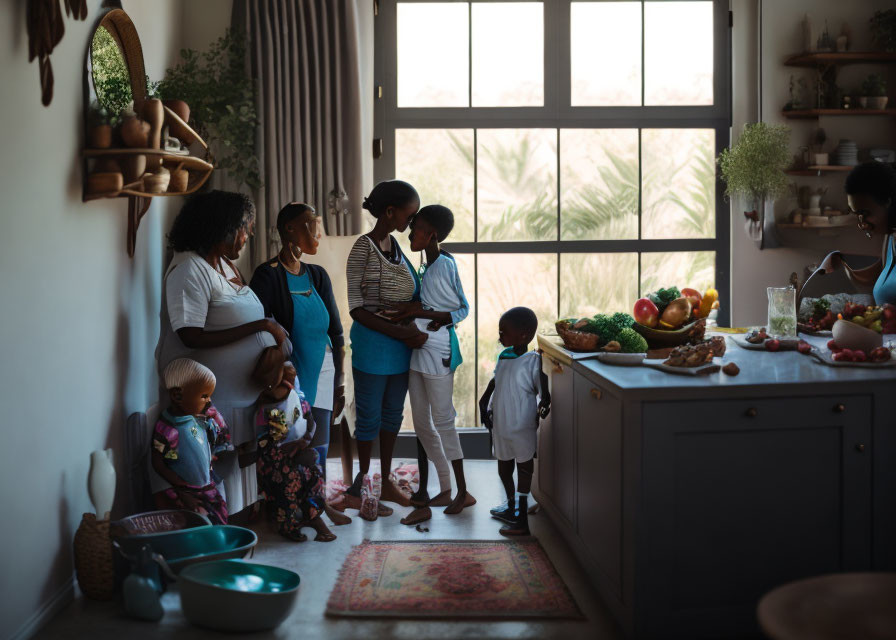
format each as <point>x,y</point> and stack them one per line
<point>558,113</point>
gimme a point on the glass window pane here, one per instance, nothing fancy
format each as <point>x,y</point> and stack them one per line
<point>517,184</point>
<point>605,50</point>
<point>508,54</point>
<point>678,53</point>
<point>533,285</point>
<point>465,398</point>
<point>598,184</point>
<point>433,54</point>
<point>679,183</point>
<point>593,283</point>
<point>439,163</point>
<point>694,269</point>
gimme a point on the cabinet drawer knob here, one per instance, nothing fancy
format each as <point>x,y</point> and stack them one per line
<point>596,394</point>
<point>752,412</point>
<point>860,448</point>
<point>839,408</point>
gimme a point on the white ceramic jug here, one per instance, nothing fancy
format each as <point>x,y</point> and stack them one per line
<point>101,483</point>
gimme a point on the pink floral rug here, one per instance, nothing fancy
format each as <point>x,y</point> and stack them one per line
<point>497,579</point>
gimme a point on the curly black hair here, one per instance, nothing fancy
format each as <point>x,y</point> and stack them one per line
<point>439,218</point>
<point>208,219</point>
<point>389,193</point>
<point>290,212</point>
<point>877,180</point>
<point>522,318</point>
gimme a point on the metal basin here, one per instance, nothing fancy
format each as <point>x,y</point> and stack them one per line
<point>189,546</point>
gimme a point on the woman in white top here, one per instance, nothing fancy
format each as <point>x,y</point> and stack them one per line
<point>210,314</point>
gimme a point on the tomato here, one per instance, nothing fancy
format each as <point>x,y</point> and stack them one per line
<point>693,295</point>
<point>859,356</point>
<point>772,345</point>
<point>834,347</point>
<point>804,347</point>
<point>646,313</point>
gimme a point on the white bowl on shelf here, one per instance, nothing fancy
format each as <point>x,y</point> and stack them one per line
<point>849,335</point>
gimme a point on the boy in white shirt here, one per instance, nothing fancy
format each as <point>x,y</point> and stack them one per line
<point>431,379</point>
<point>514,401</point>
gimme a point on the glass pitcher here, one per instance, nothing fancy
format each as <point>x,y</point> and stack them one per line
<point>782,312</point>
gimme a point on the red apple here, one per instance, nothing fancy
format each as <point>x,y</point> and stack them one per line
<point>833,346</point>
<point>646,313</point>
<point>693,295</point>
<point>859,356</point>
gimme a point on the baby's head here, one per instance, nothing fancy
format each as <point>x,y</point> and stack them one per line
<point>190,386</point>
<point>517,327</point>
<point>432,222</point>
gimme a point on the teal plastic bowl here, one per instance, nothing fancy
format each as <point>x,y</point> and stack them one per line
<point>199,544</point>
<point>236,596</point>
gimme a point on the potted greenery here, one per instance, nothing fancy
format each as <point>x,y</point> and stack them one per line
<point>874,92</point>
<point>221,98</point>
<point>883,30</point>
<point>753,170</point>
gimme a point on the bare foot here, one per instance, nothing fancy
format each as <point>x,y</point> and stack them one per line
<point>383,510</point>
<point>420,498</point>
<point>323,533</point>
<point>391,493</point>
<point>421,514</point>
<point>350,502</point>
<point>441,500</point>
<point>335,516</point>
<point>457,505</point>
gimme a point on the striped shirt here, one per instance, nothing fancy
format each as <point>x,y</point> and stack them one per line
<point>373,280</point>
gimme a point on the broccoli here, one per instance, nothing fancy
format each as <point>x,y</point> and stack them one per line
<point>631,341</point>
<point>662,297</point>
<point>622,321</point>
<point>601,325</point>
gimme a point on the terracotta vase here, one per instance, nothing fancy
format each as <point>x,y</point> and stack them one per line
<point>101,482</point>
<point>182,110</point>
<point>157,182</point>
<point>133,167</point>
<point>102,183</point>
<point>134,132</point>
<point>180,178</point>
<point>154,114</point>
<point>100,136</point>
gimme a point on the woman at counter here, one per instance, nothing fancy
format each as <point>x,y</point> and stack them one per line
<point>871,193</point>
<point>210,314</point>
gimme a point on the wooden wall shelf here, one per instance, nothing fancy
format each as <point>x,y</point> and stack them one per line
<point>811,114</point>
<point>817,170</point>
<point>845,57</point>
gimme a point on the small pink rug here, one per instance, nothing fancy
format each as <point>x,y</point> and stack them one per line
<point>499,579</point>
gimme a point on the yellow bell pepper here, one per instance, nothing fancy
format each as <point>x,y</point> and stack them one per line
<point>710,297</point>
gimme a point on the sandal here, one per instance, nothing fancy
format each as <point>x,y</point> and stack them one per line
<point>369,501</point>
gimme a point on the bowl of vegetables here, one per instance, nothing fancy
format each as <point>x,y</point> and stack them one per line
<point>601,332</point>
<point>670,317</point>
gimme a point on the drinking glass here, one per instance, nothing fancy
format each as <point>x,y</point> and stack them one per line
<point>782,312</point>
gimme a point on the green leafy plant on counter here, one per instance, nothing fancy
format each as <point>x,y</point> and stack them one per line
<point>754,167</point>
<point>221,95</point>
<point>883,29</point>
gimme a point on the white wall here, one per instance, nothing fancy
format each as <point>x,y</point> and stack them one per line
<point>78,319</point>
<point>753,270</point>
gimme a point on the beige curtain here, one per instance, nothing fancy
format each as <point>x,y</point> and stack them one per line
<point>305,57</point>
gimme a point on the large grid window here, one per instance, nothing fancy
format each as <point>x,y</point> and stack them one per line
<point>575,143</point>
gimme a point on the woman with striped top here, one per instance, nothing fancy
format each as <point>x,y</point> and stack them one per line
<point>379,275</point>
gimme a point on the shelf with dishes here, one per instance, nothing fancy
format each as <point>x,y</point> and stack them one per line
<point>820,59</point>
<point>813,114</point>
<point>817,170</point>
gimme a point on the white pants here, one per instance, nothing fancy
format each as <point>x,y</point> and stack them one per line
<point>432,408</point>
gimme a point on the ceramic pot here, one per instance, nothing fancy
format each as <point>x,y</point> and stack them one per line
<point>133,167</point>
<point>134,132</point>
<point>101,183</point>
<point>179,180</point>
<point>154,114</point>
<point>863,102</point>
<point>101,482</point>
<point>157,182</point>
<point>877,102</point>
<point>182,110</point>
<point>100,136</point>
<point>821,159</point>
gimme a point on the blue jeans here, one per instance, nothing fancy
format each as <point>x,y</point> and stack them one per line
<point>321,439</point>
<point>379,403</point>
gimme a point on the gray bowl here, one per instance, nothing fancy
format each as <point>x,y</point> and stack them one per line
<point>236,596</point>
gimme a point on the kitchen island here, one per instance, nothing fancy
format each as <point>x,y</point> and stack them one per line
<point>687,498</point>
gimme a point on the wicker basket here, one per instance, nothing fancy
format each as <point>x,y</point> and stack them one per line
<point>577,340</point>
<point>94,565</point>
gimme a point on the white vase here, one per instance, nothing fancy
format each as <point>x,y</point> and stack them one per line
<point>101,483</point>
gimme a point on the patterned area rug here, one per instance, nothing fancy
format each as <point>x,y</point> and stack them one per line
<point>439,579</point>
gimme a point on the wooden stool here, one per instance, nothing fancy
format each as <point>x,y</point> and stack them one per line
<point>843,606</point>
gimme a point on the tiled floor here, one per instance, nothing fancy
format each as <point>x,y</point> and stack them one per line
<point>318,564</point>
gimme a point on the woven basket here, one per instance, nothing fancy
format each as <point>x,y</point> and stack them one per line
<point>94,565</point>
<point>577,340</point>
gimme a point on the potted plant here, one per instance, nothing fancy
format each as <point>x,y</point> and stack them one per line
<point>221,98</point>
<point>874,92</point>
<point>753,170</point>
<point>883,30</point>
